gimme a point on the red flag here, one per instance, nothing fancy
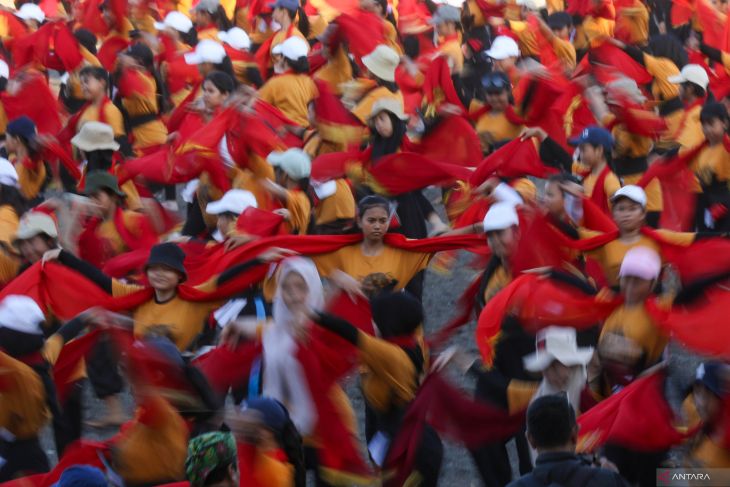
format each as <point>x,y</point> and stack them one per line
<point>637,417</point>
<point>517,158</point>
<point>227,368</point>
<point>407,171</point>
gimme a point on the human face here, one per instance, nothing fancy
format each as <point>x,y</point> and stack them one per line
<point>104,201</point>
<point>708,404</point>
<point>374,223</point>
<point>553,199</point>
<point>628,215</point>
<point>383,124</point>
<point>202,18</point>
<point>92,88</point>
<point>635,289</point>
<point>225,223</point>
<point>446,29</point>
<point>212,96</point>
<point>498,100</point>
<point>11,143</point>
<point>714,130</point>
<point>559,375</point>
<point>281,16</point>
<point>33,248</point>
<point>591,155</point>
<point>294,291</point>
<point>162,278</point>
<point>503,242</point>
<point>505,65</point>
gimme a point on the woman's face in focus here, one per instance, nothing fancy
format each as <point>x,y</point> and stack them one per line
<point>554,200</point>
<point>374,223</point>
<point>212,96</point>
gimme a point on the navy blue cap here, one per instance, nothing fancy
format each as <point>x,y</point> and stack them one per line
<point>274,414</point>
<point>709,374</point>
<point>21,127</point>
<point>82,476</point>
<point>594,136</point>
<point>291,5</point>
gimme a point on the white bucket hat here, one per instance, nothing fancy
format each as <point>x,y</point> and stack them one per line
<point>21,313</point>
<point>557,343</point>
<point>294,162</point>
<point>206,51</point>
<point>31,11</point>
<point>234,201</point>
<point>293,48</point>
<point>95,136</point>
<point>382,62</point>
<point>236,38</point>
<point>388,104</point>
<point>175,21</point>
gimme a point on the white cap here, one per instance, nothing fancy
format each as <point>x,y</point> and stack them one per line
<point>503,47</point>
<point>34,223</point>
<point>21,313</point>
<point>4,70</point>
<point>500,216</point>
<point>234,201</point>
<point>532,4</point>
<point>325,189</point>
<point>556,343</point>
<point>236,38</point>
<point>175,21</point>
<point>206,51</point>
<point>31,11</point>
<point>632,192</point>
<point>8,174</point>
<point>382,62</point>
<point>691,73</point>
<point>294,162</point>
<point>293,48</point>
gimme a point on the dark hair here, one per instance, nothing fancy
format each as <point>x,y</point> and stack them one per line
<point>220,18</point>
<point>714,111</point>
<point>370,202</point>
<point>222,81</point>
<point>385,146</point>
<point>87,39</point>
<point>697,90</point>
<point>96,72</point>
<point>99,160</point>
<point>291,442</point>
<point>550,421</point>
<point>411,46</point>
<point>563,177</point>
<point>10,195</point>
<point>300,66</point>
<point>219,473</point>
<point>391,85</point>
<point>303,24</point>
<point>144,56</point>
<point>190,37</point>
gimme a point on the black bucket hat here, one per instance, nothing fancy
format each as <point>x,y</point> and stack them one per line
<point>169,255</point>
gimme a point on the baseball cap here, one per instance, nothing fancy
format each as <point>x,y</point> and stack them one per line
<point>503,47</point>
<point>21,313</point>
<point>34,223</point>
<point>176,21</point>
<point>692,73</point>
<point>641,262</point>
<point>631,192</point>
<point>236,38</point>
<point>206,51</point>
<point>445,13</point>
<point>31,11</point>
<point>294,162</point>
<point>290,5</point>
<point>234,201</point>
<point>594,136</point>
<point>500,216</point>
<point>293,48</point>
<point>210,6</point>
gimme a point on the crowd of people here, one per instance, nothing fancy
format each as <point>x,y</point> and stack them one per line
<point>226,210</point>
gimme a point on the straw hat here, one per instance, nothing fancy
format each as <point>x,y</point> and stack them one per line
<point>95,136</point>
<point>388,104</point>
<point>382,62</point>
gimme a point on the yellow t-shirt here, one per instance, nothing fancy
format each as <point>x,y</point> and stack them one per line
<point>112,116</point>
<point>340,205</point>
<point>634,323</point>
<point>151,133</point>
<point>291,93</point>
<point>611,184</point>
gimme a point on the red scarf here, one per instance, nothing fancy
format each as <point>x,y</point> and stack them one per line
<point>263,54</point>
<point>599,196</point>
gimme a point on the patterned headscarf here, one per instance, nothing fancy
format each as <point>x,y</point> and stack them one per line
<point>207,453</point>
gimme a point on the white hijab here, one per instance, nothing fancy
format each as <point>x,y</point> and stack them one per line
<point>284,378</point>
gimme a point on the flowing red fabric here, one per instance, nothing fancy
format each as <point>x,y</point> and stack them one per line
<point>227,368</point>
<point>261,223</point>
<point>16,28</point>
<point>334,164</point>
<point>35,100</point>
<point>263,54</point>
<point>68,362</point>
<point>637,417</point>
<point>682,12</point>
<point>452,140</point>
<point>517,158</point>
<point>92,19</point>
<point>407,171</point>
<point>274,118</point>
<point>713,25</point>
<point>538,302</point>
<point>53,46</point>
<point>678,184</point>
<point>640,121</point>
<point>438,87</point>
<point>607,53</point>
<point>109,50</point>
<point>362,31</point>
<point>450,412</point>
<point>696,324</point>
<point>54,151</point>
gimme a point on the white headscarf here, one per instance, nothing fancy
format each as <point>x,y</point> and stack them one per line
<point>284,378</point>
